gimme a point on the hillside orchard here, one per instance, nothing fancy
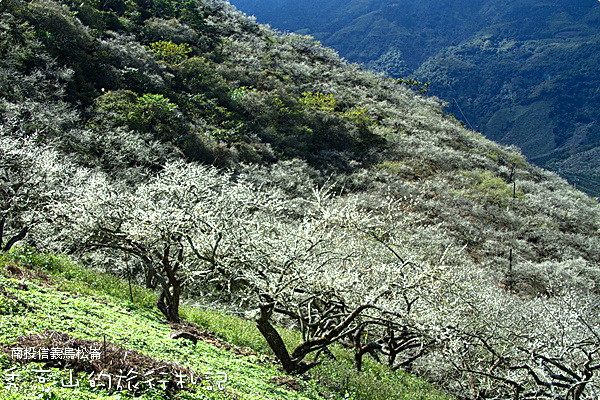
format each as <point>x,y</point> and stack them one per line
<point>215,161</point>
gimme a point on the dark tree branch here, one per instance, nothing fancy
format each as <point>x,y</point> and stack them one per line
<point>18,237</point>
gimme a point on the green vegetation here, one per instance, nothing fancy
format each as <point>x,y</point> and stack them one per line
<point>48,293</point>
<point>83,316</point>
<point>489,188</point>
<point>358,228</point>
<point>146,113</point>
<point>171,52</point>
<point>318,101</point>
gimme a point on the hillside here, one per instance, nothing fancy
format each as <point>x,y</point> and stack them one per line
<point>185,148</point>
<point>522,72</point>
<point>48,302</point>
<point>34,303</point>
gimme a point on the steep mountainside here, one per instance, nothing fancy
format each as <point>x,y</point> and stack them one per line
<point>188,149</point>
<point>522,72</point>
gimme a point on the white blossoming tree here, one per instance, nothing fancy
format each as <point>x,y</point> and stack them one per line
<point>32,182</point>
<point>176,224</point>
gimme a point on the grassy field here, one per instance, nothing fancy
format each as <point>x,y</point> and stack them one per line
<point>46,295</point>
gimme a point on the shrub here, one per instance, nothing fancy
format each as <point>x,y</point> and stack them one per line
<point>170,52</point>
<point>318,101</point>
<point>489,187</point>
<point>172,30</point>
<point>200,77</point>
<point>147,113</point>
<point>359,116</point>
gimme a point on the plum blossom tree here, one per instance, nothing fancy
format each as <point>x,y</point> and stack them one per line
<point>321,271</point>
<point>176,224</point>
<point>501,346</point>
<point>31,182</point>
<point>342,273</point>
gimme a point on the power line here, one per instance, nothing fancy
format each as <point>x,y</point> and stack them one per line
<point>587,182</point>
<point>463,114</point>
<point>581,178</point>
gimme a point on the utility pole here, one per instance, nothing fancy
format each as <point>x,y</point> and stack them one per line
<point>510,267</point>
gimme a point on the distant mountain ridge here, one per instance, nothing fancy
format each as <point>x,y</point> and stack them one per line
<point>523,72</point>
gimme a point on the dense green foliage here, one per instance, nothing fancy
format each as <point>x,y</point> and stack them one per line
<point>182,146</point>
<point>522,72</point>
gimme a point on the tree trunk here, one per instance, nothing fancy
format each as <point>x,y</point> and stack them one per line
<point>275,342</point>
<point>18,237</point>
<point>273,338</point>
<point>151,281</point>
<point>362,350</point>
<point>2,222</point>
<point>168,304</point>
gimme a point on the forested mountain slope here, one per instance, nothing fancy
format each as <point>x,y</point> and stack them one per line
<point>181,145</point>
<point>522,72</point>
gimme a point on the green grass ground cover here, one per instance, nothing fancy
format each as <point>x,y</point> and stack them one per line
<point>39,293</point>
